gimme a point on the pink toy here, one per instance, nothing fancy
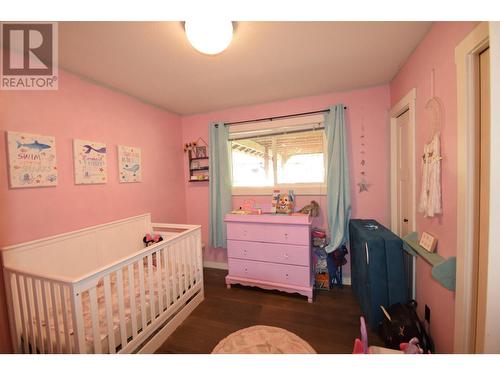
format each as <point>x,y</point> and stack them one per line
<point>411,347</point>
<point>150,239</point>
<point>361,346</point>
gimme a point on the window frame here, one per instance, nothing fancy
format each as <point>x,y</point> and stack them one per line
<point>298,188</point>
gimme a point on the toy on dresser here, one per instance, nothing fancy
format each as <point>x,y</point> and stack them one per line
<point>283,203</point>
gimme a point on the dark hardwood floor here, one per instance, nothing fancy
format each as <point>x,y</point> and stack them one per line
<point>329,325</point>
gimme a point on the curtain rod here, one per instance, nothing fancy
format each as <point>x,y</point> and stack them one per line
<point>278,117</point>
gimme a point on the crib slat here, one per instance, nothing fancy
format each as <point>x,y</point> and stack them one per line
<point>173,271</point>
<point>190,262</point>
<point>121,307</point>
<point>11,305</point>
<point>166,267</point>
<point>21,308</point>
<point>94,315</point>
<point>151,289</point>
<point>64,309</point>
<point>159,274</point>
<point>178,271</point>
<point>199,257</point>
<point>182,252</point>
<point>57,329</point>
<point>78,326</point>
<point>31,330</point>
<point>195,260</point>
<point>140,264</point>
<point>131,294</point>
<point>39,333</point>
<point>109,314</point>
<point>183,262</point>
<point>48,334</point>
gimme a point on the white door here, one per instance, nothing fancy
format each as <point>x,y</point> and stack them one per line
<point>404,175</point>
<point>482,198</point>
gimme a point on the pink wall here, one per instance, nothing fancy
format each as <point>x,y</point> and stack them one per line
<point>437,51</point>
<point>370,104</point>
<point>83,110</point>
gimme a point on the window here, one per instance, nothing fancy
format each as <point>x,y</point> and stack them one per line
<point>286,159</point>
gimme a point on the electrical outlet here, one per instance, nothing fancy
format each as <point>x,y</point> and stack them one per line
<point>427,315</point>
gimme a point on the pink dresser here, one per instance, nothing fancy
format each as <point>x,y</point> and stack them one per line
<point>270,251</point>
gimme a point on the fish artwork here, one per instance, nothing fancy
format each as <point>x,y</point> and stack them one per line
<point>32,160</point>
<point>89,148</point>
<point>35,145</point>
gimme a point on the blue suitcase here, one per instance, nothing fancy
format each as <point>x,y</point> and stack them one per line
<point>377,270</point>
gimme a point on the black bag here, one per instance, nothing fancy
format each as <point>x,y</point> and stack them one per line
<point>403,325</point>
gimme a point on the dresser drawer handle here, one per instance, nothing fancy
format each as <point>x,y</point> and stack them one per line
<point>286,235</point>
<point>287,276</point>
<point>244,252</point>
<point>285,255</point>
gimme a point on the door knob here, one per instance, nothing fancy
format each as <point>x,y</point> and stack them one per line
<point>405,220</point>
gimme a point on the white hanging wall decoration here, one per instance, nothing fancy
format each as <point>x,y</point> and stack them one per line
<point>90,162</point>
<point>430,203</point>
<point>129,164</point>
<point>32,160</point>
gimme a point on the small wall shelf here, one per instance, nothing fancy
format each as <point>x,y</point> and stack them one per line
<point>443,270</point>
<point>197,165</point>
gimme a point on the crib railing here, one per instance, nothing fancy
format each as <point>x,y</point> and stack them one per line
<point>114,309</point>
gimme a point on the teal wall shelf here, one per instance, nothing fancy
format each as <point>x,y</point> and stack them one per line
<point>443,270</point>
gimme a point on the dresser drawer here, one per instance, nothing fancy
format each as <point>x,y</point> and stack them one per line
<point>276,233</point>
<point>271,272</point>
<point>269,252</point>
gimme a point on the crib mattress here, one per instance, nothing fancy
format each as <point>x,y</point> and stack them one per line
<point>101,303</point>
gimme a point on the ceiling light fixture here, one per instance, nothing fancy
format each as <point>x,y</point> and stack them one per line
<point>209,37</point>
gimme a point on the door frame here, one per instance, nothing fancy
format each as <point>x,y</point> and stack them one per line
<point>407,103</point>
<point>466,60</point>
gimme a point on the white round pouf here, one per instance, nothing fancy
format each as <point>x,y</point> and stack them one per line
<point>263,340</point>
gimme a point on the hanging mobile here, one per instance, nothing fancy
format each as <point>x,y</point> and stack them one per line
<point>363,184</point>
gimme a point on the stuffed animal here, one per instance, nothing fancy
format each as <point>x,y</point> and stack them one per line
<point>285,203</point>
<point>151,239</point>
<point>311,209</point>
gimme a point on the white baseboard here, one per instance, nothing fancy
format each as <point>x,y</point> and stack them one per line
<point>216,265</point>
<point>346,280</point>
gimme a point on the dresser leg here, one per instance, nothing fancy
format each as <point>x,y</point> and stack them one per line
<point>228,286</point>
<point>309,299</point>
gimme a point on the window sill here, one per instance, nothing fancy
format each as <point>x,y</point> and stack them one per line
<point>297,190</point>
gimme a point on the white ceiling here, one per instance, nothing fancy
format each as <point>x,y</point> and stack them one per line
<point>266,61</point>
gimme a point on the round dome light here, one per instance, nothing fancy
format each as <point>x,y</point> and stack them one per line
<point>209,37</point>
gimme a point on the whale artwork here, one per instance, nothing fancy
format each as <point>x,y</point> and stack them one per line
<point>90,162</point>
<point>134,168</point>
<point>32,160</point>
<point>129,164</point>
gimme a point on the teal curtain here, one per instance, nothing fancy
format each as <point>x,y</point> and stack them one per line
<point>220,182</point>
<point>338,189</point>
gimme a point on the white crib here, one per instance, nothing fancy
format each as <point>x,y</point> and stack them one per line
<point>99,290</point>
